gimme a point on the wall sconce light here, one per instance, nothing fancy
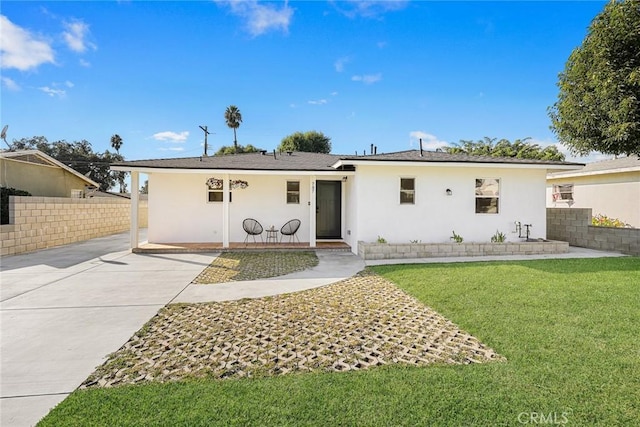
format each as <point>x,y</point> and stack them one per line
<point>449,192</point>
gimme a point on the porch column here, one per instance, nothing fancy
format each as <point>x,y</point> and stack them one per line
<point>135,196</point>
<point>225,211</point>
<point>312,211</point>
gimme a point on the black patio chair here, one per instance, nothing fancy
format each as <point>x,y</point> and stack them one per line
<point>290,228</point>
<point>252,228</point>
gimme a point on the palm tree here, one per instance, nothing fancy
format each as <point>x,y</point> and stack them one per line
<point>116,142</point>
<point>233,118</point>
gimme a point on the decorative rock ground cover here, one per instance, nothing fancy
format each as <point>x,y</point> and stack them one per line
<point>237,266</point>
<point>358,323</point>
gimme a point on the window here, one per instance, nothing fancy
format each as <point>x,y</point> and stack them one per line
<point>407,191</point>
<point>487,195</point>
<point>293,192</point>
<point>563,193</point>
<point>216,196</point>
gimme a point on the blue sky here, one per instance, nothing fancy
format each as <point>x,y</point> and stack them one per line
<point>382,73</point>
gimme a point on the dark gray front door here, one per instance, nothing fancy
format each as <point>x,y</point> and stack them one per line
<point>328,209</point>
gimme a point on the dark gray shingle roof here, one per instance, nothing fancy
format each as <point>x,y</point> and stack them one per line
<point>246,161</point>
<point>438,156</point>
<point>301,161</point>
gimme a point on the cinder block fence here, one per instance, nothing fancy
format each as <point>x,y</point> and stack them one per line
<point>573,225</point>
<point>44,222</point>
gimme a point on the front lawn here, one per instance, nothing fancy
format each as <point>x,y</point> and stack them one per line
<point>568,329</point>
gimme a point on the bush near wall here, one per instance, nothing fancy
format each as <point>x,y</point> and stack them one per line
<point>5,192</point>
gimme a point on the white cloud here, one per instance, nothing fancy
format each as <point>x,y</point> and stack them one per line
<point>261,18</point>
<point>367,78</point>
<point>334,93</point>
<point>21,49</point>
<point>171,136</point>
<point>368,8</point>
<point>429,141</point>
<point>382,45</point>
<point>60,93</point>
<point>84,63</point>
<point>171,149</point>
<point>9,84</point>
<point>75,36</point>
<point>318,102</point>
<point>340,63</point>
<point>69,84</point>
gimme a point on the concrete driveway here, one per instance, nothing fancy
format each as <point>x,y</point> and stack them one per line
<point>63,310</point>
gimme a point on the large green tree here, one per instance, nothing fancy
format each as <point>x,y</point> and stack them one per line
<point>310,141</point>
<point>233,118</point>
<point>598,107</point>
<point>78,155</point>
<point>229,149</point>
<point>520,149</point>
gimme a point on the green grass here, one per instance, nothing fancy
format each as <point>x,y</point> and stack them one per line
<point>569,329</point>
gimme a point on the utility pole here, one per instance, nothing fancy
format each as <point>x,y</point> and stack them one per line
<point>206,132</point>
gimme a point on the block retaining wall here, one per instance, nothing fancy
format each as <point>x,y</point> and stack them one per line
<point>374,251</point>
<point>43,222</point>
<point>574,226</point>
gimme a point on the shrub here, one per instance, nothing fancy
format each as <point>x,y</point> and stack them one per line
<point>604,221</point>
<point>499,237</point>
<point>456,237</point>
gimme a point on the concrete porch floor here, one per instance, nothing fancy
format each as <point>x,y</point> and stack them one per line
<point>146,247</point>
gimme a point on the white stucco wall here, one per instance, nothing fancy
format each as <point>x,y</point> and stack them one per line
<point>266,201</point>
<point>435,215</point>
<point>179,210</point>
<point>614,195</point>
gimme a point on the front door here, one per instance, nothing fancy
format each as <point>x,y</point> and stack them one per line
<point>328,209</point>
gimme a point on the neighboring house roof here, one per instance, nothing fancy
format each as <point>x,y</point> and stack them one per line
<point>619,165</point>
<point>301,161</point>
<point>40,158</point>
<point>113,195</point>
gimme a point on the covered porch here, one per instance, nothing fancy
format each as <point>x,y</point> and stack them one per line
<point>189,214</point>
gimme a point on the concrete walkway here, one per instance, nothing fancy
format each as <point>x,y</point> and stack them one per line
<point>63,310</point>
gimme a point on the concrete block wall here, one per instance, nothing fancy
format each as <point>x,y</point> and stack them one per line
<point>436,250</point>
<point>43,222</point>
<point>573,225</point>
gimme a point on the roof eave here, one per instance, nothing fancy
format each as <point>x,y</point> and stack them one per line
<point>432,163</point>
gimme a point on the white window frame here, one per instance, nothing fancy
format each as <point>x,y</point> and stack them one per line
<point>563,193</point>
<point>209,192</point>
<point>407,192</point>
<point>293,192</point>
<point>481,195</point>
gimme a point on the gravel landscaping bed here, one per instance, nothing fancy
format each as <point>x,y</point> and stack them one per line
<point>358,323</point>
<point>237,266</point>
